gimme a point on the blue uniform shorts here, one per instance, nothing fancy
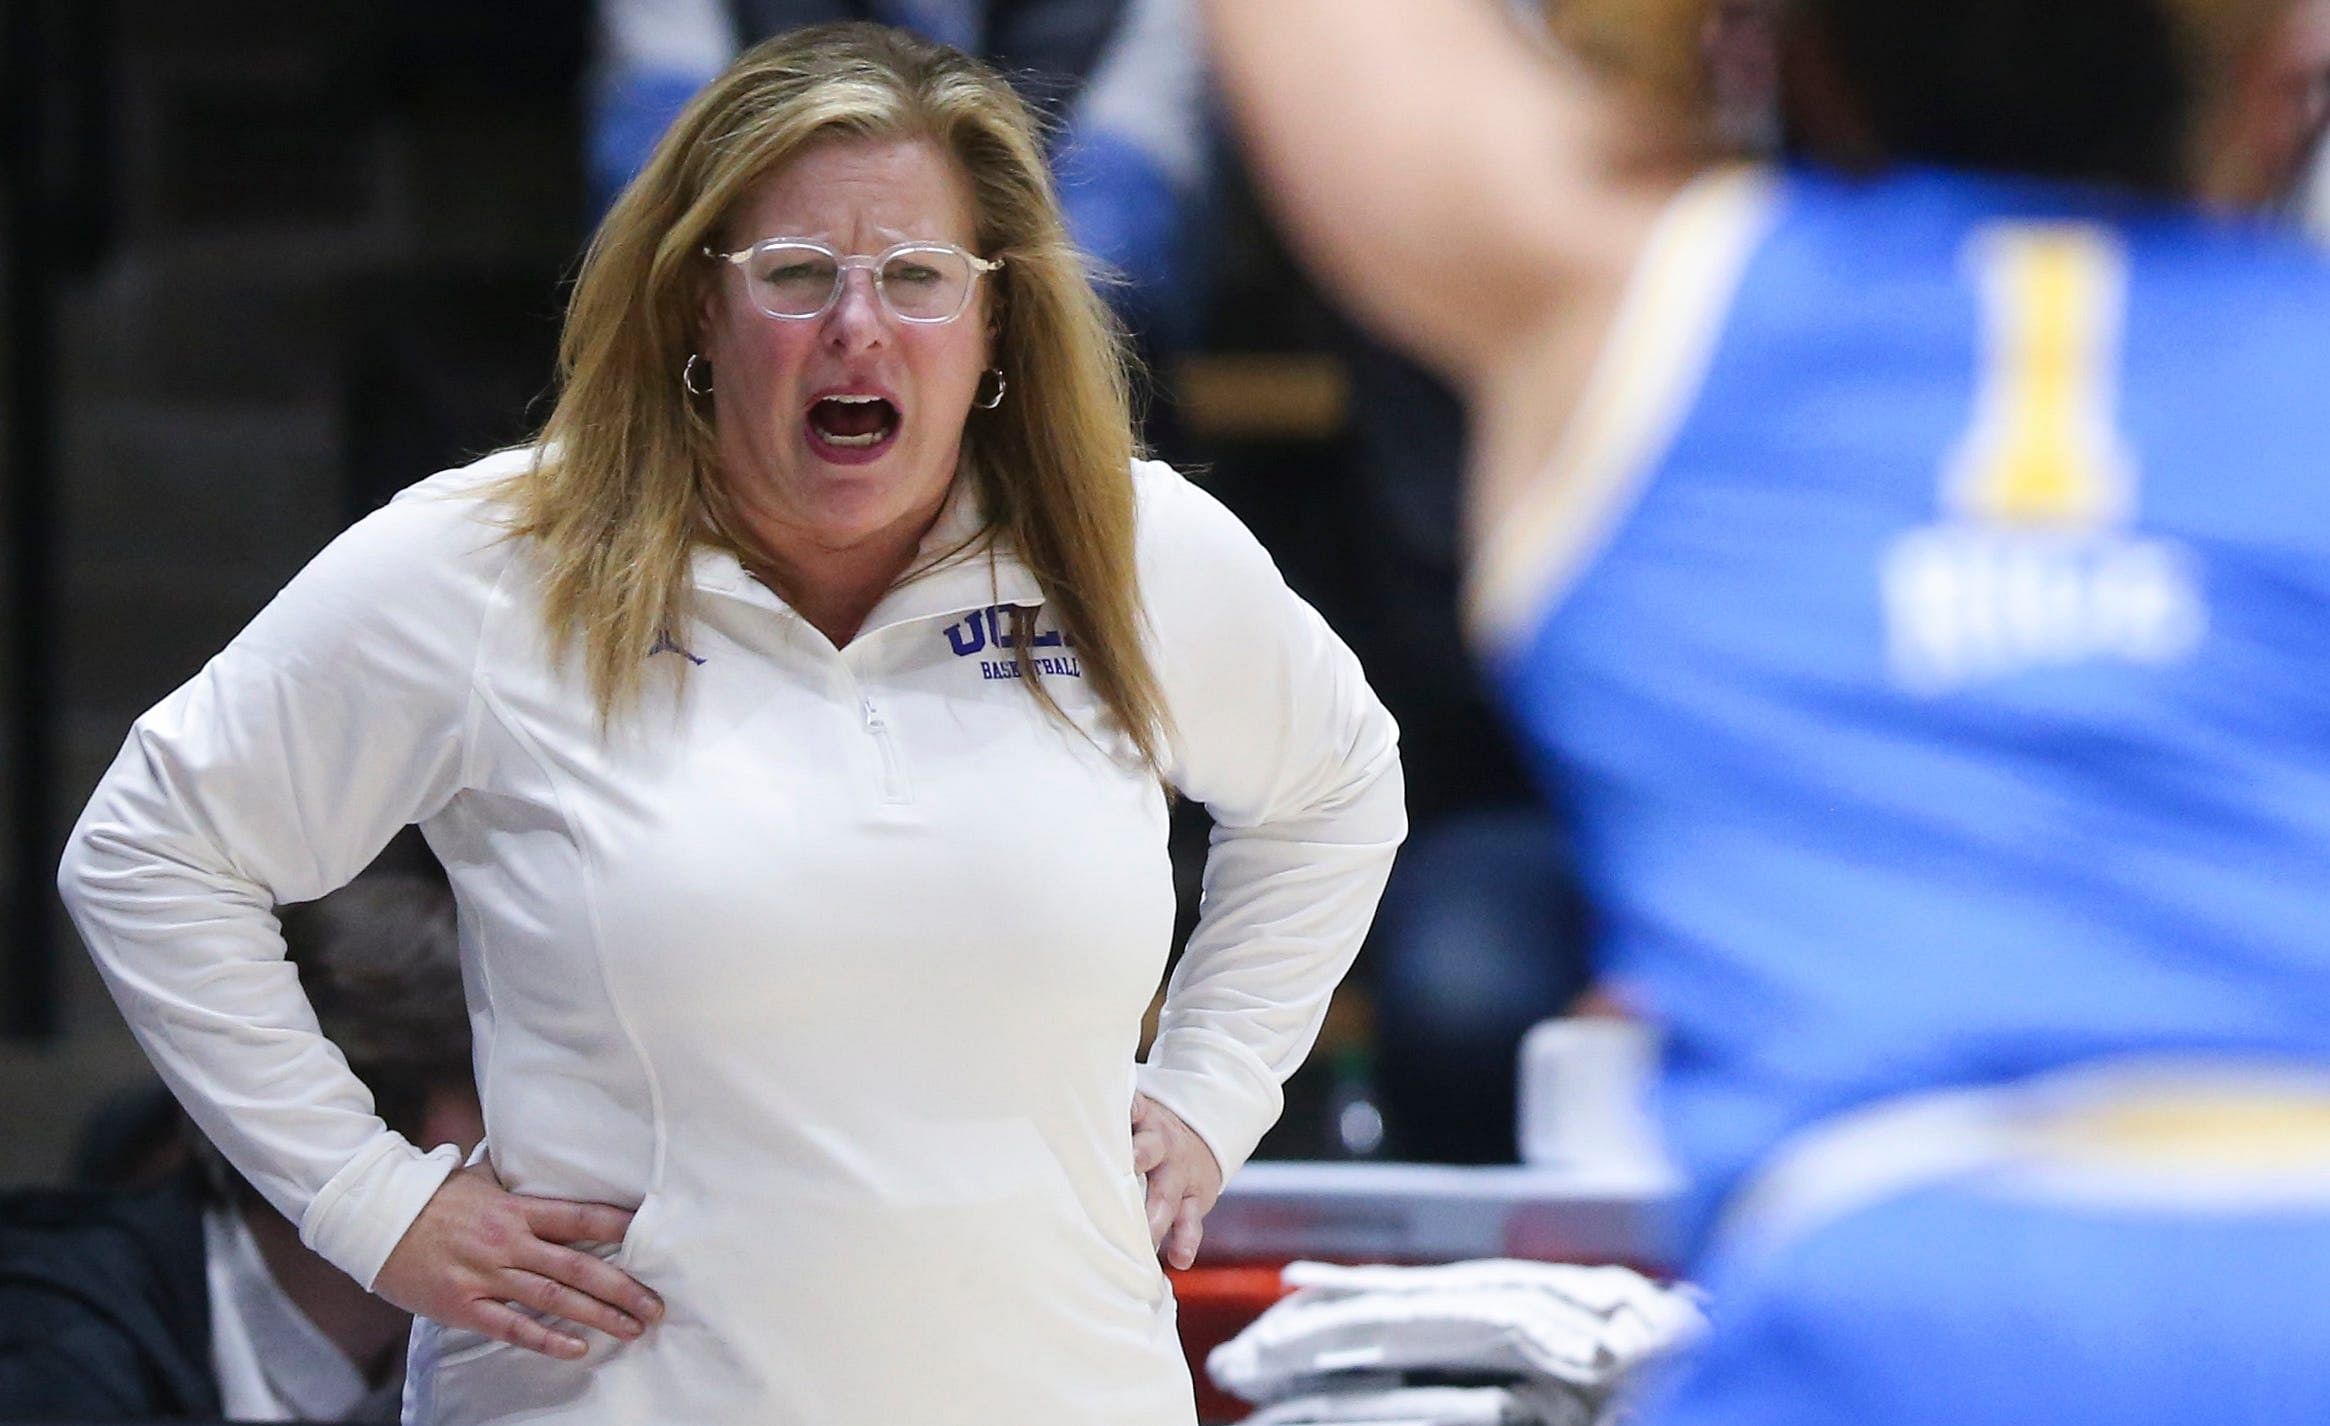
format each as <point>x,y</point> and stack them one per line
<point>1969,1303</point>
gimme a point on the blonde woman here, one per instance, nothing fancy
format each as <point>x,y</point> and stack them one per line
<point>797,719</point>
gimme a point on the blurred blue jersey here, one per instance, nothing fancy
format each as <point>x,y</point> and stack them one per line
<point>1946,696</point>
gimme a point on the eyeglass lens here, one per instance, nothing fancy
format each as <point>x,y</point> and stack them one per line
<point>917,284</point>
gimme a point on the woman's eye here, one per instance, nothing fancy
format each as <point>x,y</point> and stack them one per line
<point>913,272</point>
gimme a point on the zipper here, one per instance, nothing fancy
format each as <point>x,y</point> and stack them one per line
<point>894,788</point>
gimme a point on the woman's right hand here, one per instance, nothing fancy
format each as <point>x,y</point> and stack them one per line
<point>477,1248</point>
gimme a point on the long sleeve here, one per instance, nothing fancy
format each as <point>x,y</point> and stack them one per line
<point>1278,734</point>
<point>274,776</point>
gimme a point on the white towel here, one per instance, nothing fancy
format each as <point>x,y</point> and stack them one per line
<point>1532,1322</point>
<point>1542,1404</point>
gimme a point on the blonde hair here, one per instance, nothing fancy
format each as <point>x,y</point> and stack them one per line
<point>626,480</point>
<point>1653,56</point>
<point>1653,50</point>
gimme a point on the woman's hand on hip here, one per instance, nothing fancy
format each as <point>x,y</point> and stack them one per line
<point>1184,1179</point>
<point>477,1248</point>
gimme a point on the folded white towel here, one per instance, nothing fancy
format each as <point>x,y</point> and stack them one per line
<point>1541,1404</point>
<point>1609,1291</point>
<point>1584,1327</point>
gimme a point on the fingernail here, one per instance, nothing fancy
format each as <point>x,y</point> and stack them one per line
<point>569,1346</point>
<point>631,1326</point>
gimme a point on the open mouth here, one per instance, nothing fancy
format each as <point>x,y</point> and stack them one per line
<point>853,423</point>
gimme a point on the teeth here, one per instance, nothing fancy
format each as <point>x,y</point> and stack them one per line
<point>853,442</point>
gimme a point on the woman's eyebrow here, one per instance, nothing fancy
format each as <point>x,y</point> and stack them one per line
<point>890,237</point>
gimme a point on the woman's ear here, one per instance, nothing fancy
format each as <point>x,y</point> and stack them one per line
<point>707,314</point>
<point>993,298</point>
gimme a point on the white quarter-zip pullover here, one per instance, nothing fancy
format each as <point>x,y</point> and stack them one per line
<point>833,963</point>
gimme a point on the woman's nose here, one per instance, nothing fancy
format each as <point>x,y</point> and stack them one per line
<point>857,319</point>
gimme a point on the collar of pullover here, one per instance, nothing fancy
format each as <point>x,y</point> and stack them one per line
<point>960,565</point>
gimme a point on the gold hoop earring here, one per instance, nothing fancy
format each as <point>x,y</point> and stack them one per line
<point>688,375</point>
<point>1000,387</point>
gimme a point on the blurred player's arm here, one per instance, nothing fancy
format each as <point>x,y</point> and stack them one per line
<point>1457,183</point>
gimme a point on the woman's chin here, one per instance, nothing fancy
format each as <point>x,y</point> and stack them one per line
<point>852,503</point>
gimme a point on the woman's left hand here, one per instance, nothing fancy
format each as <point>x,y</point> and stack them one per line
<point>1184,1179</point>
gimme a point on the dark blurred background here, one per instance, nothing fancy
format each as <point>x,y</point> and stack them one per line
<point>257,255</point>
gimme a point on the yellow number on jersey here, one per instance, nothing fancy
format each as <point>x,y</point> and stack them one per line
<point>2046,449</point>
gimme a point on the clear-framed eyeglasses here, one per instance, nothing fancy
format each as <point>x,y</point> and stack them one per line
<point>796,280</point>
